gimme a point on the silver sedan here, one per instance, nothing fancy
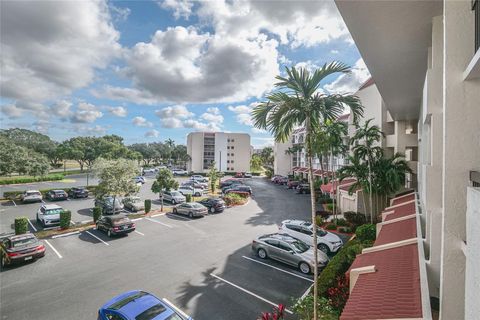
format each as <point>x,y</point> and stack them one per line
<point>289,250</point>
<point>192,209</point>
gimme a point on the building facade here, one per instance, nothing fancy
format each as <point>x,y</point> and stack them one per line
<point>231,152</point>
<point>425,59</point>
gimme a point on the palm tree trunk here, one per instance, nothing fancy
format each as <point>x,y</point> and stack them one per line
<point>161,201</point>
<point>333,186</point>
<point>370,192</point>
<point>314,229</point>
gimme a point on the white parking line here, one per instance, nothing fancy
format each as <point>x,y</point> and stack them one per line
<point>179,216</point>
<point>14,203</point>
<point>53,248</point>
<point>158,214</point>
<point>137,219</point>
<point>31,224</point>
<point>291,273</point>
<point>97,238</point>
<point>43,202</point>
<point>306,292</point>
<point>86,221</point>
<point>138,232</point>
<point>248,292</point>
<point>163,224</point>
<point>51,228</point>
<point>65,234</point>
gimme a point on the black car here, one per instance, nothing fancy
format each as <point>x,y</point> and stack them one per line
<point>20,248</point>
<point>213,204</point>
<point>54,195</point>
<point>115,225</point>
<point>303,188</point>
<point>230,182</point>
<point>78,192</point>
<point>106,203</point>
<point>238,189</point>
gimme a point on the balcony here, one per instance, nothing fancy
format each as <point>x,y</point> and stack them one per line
<point>473,68</point>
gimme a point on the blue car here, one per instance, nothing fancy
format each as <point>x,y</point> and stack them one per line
<point>140,305</point>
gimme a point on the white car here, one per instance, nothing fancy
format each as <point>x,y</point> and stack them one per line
<point>197,192</point>
<point>302,230</point>
<point>179,172</point>
<point>32,196</point>
<point>199,178</point>
<point>173,197</point>
<point>49,215</point>
<point>150,171</point>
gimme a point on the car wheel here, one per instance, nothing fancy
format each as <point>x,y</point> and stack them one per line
<point>173,202</point>
<point>262,253</point>
<point>212,210</point>
<point>109,233</point>
<point>324,248</point>
<point>38,220</point>
<point>304,267</point>
<point>190,215</point>
<point>175,210</point>
<point>197,194</point>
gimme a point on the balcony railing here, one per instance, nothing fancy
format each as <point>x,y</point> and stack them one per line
<point>475,179</point>
<point>476,10</point>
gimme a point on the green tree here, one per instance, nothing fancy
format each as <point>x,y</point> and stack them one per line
<point>213,175</point>
<point>38,164</point>
<point>267,156</point>
<point>256,163</point>
<point>164,182</point>
<point>299,102</point>
<point>116,177</point>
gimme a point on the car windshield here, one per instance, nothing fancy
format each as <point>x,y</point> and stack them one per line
<point>53,211</point>
<point>299,247</point>
<point>175,193</point>
<point>33,193</point>
<point>197,206</point>
<point>23,242</point>
<point>151,312</point>
<point>122,303</point>
<point>174,316</point>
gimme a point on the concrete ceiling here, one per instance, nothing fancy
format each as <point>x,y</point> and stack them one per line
<point>393,38</point>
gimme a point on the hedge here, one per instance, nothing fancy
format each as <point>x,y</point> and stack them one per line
<point>355,218</point>
<point>97,212</point>
<point>21,225</point>
<point>233,199</point>
<point>49,177</point>
<point>366,232</point>
<point>188,198</point>
<point>338,266</point>
<point>341,222</point>
<point>65,218</point>
<point>16,194</point>
<point>331,226</point>
<point>148,205</point>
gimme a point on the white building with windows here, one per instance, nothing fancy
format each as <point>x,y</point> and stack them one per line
<point>231,152</point>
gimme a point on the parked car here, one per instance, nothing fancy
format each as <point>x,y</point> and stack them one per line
<point>78,192</point>
<point>179,172</point>
<point>281,180</point>
<point>49,215</point>
<point>293,184</point>
<point>150,171</point>
<point>136,305</point>
<point>289,250</point>
<point>133,204</point>
<point>303,188</point>
<point>54,195</point>
<point>195,184</point>
<point>240,175</point>
<point>197,192</point>
<point>20,248</point>
<point>192,209</point>
<point>139,179</point>
<point>115,225</point>
<point>106,203</point>
<point>326,241</point>
<point>213,204</point>
<point>238,189</point>
<point>229,182</point>
<point>173,197</point>
<point>31,196</point>
<point>199,178</point>
<point>247,175</point>
<point>274,177</point>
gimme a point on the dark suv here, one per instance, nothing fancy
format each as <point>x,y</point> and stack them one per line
<point>115,225</point>
<point>106,203</point>
<point>78,192</point>
<point>213,204</point>
<point>303,188</point>
<point>239,189</point>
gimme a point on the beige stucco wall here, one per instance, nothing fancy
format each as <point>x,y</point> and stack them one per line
<point>461,154</point>
<point>195,151</point>
<point>242,152</point>
<point>282,161</point>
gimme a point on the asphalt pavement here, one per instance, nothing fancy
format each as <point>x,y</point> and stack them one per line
<point>204,266</point>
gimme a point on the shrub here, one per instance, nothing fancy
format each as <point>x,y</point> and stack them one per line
<point>330,206</point>
<point>303,308</point>
<point>97,212</point>
<point>366,232</point>
<point>324,214</point>
<point>65,218</point>
<point>341,222</point>
<point>234,199</point>
<point>188,198</point>
<point>269,173</point>
<point>49,177</point>
<point>21,225</point>
<point>319,221</point>
<point>338,266</point>
<point>148,205</point>
<point>345,229</point>
<point>331,226</point>
<point>355,218</point>
<point>325,200</point>
<point>338,294</point>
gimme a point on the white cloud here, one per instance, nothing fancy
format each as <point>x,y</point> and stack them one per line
<point>141,122</point>
<point>334,52</point>
<point>261,142</point>
<point>213,115</point>
<point>11,111</point>
<point>21,108</point>
<point>152,134</point>
<point>309,65</point>
<point>118,111</point>
<point>85,113</point>
<point>256,130</point>
<point>124,94</point>
<point>176,111</point>
<point>61,109</point>
<point>349,83</point>
<point>51,48</point>
<point>119,13</point>
<point>171,123</point>
<point>243,112</point>
<point>180,8</point>
<point>245,118</point>
<point>97,130</point>
<point>200,126</point>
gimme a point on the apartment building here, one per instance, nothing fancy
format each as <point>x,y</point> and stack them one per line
<point>231,152</point>
<point>424,57</point>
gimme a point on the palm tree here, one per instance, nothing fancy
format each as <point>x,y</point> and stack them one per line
<point>299,102</point>
<point>365,141</point>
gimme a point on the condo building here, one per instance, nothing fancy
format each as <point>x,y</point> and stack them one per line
<point>424,58</point>
<point>231,152</point>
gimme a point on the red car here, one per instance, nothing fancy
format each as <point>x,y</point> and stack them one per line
<point>292,184</point>
<point>20,248</point>
<point>240,175</point>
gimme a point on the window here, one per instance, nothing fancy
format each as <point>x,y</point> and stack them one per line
<point>232,154</point>
<point>294,228</point>
<point>231,161</point>
<point>228,161</point>
<point>306,231</point>
<point>228,147</point>
<point>272,242</point>
<point>232,140</point>
<point>232,147</point>
<point>284,246</point>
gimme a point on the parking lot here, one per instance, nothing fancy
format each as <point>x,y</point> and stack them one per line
<point>205,266</point>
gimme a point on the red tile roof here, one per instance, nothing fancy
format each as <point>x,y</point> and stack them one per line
<point>392,291</point>
<point>397,231</point>
<point>329,187</point>
<point>402,199</point>
<point>401,211</point>
<point>366,84</point>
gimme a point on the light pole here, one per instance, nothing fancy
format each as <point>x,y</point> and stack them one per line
<point>220,164</point>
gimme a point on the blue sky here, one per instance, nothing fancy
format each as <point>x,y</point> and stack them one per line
<point>152,70</point>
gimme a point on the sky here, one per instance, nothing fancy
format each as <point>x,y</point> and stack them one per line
<point>153,70</point>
